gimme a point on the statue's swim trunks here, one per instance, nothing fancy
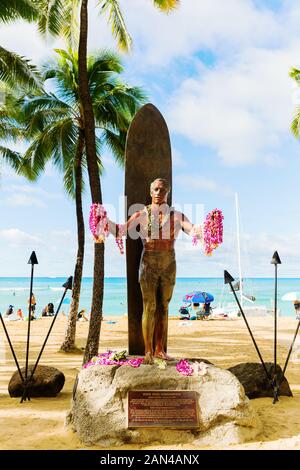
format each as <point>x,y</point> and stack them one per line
<point>158,267</point>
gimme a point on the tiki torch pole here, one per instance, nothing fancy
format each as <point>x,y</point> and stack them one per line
<point>32,260</point>
<point>275,260</point>
<point>228,279</point>
<point>67,285</point>
<point>11,348</point>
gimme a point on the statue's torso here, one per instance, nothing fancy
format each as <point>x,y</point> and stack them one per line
<point>158,231</point>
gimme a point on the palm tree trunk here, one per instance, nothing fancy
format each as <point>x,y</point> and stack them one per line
<point>69,341</point>
<point>92,344</point>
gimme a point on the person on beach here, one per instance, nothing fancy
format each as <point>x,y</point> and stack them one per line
<point>20,314</point>
<point>158,226</point>
<point>50,309</point>
<point>9,311</point>
<point>297,309</point>
<point>32,306</point>
<point>81,315</point>
<point>45,311</point>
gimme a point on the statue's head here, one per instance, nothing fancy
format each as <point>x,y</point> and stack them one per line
<point>159,190</point>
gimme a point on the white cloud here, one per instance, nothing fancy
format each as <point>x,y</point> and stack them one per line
<point>207,24</point>
<point>61,233</point>
<point>178,159</point>
<point>17,237</point>
<point>21,195</point>
<point>27,41</point>
<point>20,200</point>
<point>201,183</point>
<point>241,110</point>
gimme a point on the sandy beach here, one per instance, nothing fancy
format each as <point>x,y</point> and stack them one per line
<point>40,423</point>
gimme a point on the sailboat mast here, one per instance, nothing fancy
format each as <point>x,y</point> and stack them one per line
<point>239,246</point>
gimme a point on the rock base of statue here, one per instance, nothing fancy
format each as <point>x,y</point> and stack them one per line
<point>99,411</point>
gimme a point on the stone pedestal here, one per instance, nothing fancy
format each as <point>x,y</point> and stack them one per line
<point>99,406</point>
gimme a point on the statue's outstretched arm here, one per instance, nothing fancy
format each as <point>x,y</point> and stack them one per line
<point>189,228</point>
<point>119,230</point>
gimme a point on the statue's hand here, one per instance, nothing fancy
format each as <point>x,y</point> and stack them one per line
<point>98,239</point>
<point>198,232</point>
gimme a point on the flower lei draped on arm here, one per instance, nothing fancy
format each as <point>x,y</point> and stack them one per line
<point>212,231</point>
<point>99,226</point>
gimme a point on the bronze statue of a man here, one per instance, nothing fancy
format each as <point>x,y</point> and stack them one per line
<point>158,226</point>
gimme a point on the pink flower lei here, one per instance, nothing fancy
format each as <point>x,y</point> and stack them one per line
<point>184,367</point>
<point>98,222</point>
<point>213,231</point>
<point>110,358</point>
<point>99,227</point>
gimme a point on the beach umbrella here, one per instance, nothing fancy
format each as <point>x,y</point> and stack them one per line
<point>291,296</point>
<point>198,297</point>
<point>68,285</point>
<point>66,301</point>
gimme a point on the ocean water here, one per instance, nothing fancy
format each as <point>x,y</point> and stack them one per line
<point>15,291</point>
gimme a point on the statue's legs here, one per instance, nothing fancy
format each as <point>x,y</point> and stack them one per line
<point>157,278</point>
<point>164,295</point>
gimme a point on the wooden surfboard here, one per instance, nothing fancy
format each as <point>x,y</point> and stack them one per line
<point>148,156</point>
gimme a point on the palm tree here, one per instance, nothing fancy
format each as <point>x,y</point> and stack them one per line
<point>122,36</point>
<point>54,14</point>
<point>54,125</point>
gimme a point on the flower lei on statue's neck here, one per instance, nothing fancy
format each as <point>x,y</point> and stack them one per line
<point>152,223</point>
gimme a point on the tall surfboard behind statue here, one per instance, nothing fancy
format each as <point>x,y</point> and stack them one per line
<point>148,156</point>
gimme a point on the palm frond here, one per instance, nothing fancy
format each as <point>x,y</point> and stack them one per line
<point>57,142</point>
<point>50,16</point>
<point>64,72</point>
<point>70,29</point>
<point>16,161</point>
<point>10,132</point>
<point>101,67</point>
<point>15,69</point>
<point>117,107</point>
<point>116,143</point>
<point>69,180</point>
<point>11,10</point>
<point>11,157</point>
<point>117,23</point>
<point>294,73</point>
<point>166,5</point>
<point>59,18</point>
<point>295,126</point>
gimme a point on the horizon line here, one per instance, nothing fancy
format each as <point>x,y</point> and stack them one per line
<point>124,277</point>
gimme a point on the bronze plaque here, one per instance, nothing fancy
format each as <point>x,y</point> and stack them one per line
<point>162,408</point>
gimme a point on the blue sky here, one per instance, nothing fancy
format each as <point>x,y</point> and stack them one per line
<point>218,71</point>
